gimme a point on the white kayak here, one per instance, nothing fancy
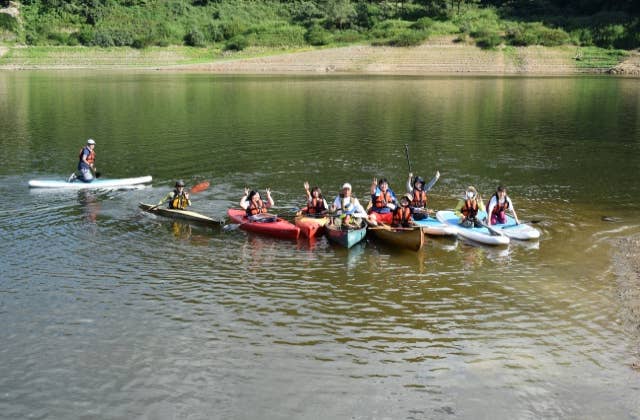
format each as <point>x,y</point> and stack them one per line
<point>521,232</point>
<point>434,227</point>
<point>95,184</point>
<point>477,234</point>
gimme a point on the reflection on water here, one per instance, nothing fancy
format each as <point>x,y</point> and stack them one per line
<point>143,316</point>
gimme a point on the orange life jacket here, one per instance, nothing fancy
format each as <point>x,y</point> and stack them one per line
<point>401,216</point>
<point>381,200</point>
<point>419,198</point>
<point>256,208</point>
<point>91,157</point>
<point>315,206</point>
<point>498,208</point>
<point>470,209</point>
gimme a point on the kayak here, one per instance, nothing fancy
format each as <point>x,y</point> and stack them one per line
<point>311,226</point>
<point>278,228</point>
<point>406,238</point>
<point>190,216</point>
<point>432,226</point>
<point>477,234</point>
<point>347,237</point>
<point>521,232</point>
<point>95,184</point>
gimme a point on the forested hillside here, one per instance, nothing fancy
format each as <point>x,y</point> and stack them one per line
<point>238,24</point>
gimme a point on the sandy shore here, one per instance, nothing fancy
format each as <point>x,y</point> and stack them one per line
<point>435,57</point>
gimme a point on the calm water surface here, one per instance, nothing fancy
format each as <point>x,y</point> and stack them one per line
<point>107,312</point>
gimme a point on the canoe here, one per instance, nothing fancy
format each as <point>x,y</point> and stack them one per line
<point>95,184</point>
<point>405,238</point>
<point>279,228</point>
<point>347,237</point>
<point>311,226</point>
<point>190,216</point>
<point>481,234</point>
<point>434,227</point>
<point>521,232</point>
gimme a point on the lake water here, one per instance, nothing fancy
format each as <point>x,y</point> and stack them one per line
<point>108,312</point>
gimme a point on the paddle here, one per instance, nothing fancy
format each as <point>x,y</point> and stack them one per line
<point>493,231</point>
<point>406,151</point>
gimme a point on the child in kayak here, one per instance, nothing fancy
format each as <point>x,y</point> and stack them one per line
<point>316,204</point>
<point>383,202</point>
<point>402,214</point>
<point>255,207</point>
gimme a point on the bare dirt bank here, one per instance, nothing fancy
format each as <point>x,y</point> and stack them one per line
<point>441,56</point>
<point>437,56</point>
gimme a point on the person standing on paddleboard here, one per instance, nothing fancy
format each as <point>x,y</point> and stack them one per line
<point>86,163</point>
<point>178,198</point>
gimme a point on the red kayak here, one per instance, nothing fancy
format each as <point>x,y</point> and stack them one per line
<point>311,226</point>
<point>278,228</point>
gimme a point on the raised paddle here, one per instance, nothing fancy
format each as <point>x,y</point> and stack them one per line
<point>406,152</point>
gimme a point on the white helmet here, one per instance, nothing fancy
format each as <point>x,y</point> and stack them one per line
<point>91,141</point>
<point>346,185</point>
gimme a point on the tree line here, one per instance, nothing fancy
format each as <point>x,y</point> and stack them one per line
<point>238,24</point>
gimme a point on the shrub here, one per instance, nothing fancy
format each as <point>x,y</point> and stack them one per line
<point>317,35</point>
<point>389,28</point>
<point>237,43</point>
<point>487,39</point>
<point>347,36</point>
<point>408,38</point>
<point>194,38</point>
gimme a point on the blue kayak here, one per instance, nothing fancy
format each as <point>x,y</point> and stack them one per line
<point>434,227</point>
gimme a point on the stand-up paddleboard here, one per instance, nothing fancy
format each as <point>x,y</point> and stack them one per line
<point>521,232</point>
<point>95,184</point>
<point>477,234</point>
<point>434,227</point>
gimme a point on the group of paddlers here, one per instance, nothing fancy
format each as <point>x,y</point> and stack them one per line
<point>385,207</point>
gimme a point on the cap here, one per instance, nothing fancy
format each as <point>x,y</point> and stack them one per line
<point>91,141</point>
<point>407,196</point>
<point>179,183</point>
<point>346,185</point>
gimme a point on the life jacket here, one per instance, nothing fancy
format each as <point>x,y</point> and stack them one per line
<point>344,206</point>
<point>91,157</point>
<point>316,205</point>
<point>179,201</point>
<point>401,216</point>
<point>498,208</point>
<point>256,208</point>
<point>419,198</point>
<point>470,209</point>
<point>381,200</point>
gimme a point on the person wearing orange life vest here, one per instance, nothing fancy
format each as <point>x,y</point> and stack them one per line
<point>498,206</point>
<point>418,191</point>
<point>402,214</point>
<point>86,163</point>
<point>383,202</point>
<point>178,198</point>
<point>254,205</point>
<point>469,207</point>
<point>316,204</point>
